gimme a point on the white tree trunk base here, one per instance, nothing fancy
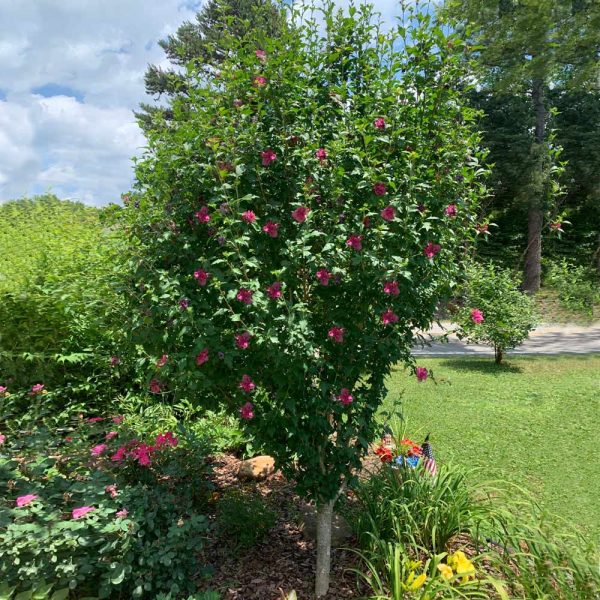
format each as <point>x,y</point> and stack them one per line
<point>324,517</point>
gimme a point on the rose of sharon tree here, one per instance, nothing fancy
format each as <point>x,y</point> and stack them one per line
<point>292,233</point>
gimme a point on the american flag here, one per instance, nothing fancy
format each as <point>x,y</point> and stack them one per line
<point>428,459</point>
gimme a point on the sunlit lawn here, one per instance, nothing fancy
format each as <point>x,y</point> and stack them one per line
<point>535,421</point>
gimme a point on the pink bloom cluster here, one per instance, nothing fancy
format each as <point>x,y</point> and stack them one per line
<point>25,500</point>
<point>421,373</point>
<point>388,213</point>
<point>379,189</point>
<point>36,389</point>
<point>451,210</point>
<point>162,361</point>
<point>244,295</point>
<point>323,275</point>
<point>202,357</point>
<point>355,242</point>
<point>260,81</point>
<point>321,154</point>
<point>336,334</point>
<point>431,249</point>
<point>345,397</point>
<point>242,340</point>
<point>247,411</point>
<point>81,511</point>
<point>268,155</point>
<point>299,215</point>
<point>274,290</point>
<point>391,287</point>
<point>202,215</point>
<point>248,216</point>
<point>201,276</point>
<point>477,316</point>
<point>141,452</point>
<point>246,384</point>
<point>379,123</point>
<point>389,317</point>
<point>271,229</point>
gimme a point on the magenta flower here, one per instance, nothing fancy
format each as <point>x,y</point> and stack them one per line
<point>162,361</point>
<point>271,229</point>
<point>389,317</point>
<point>367,222</point>
<point>477,316</point>
<point>110,435</point>
<point>300,214</point>
<point>142,454</point>
<point>121,514</point>
<point>451,210</point>
<point>247,385</point>
<point>247,411</point>
<point>95,419</point>
<point>482,227</point>
<point>431,249</point>
<point>268,156</point>
<point>25,500</point>
<point>323,275</point>
<point>379,189</point>
<point>345,397</point>
<point>391,287</point>
<point>36,389</point>
<point>248,216</point>
<point>119,455</point>
<point>242,340</point>
<point>245,295</point>
<point>184,304</point>
<point>202,215</point>
<point>337,334</point>
<point>111,490</point>
<point>355,242</point>
<point>81,511</point>
<point>421,373</point>
<point>260,81</point>
<point>2,439</point>
<point>274,291</point>
<point>201,276</point>
<point>114,361</point>
<point>118,419</point>
<point>321,154</point>
<point>261,55</point>
<point>98,450</point>
<point>155,387</point>
<point>202,357</point>
<point>379,123</point>
<point>421,208</point>
<point>165,439</point>
<point>388,213</point>
<point>3,389</point>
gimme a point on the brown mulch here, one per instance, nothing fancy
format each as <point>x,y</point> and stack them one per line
<point>284,560</point>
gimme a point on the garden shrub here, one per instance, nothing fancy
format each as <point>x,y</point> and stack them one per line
<point>494,311</point>
<point>577,286</point>
<point>297,224</point>
<point>101,513</point>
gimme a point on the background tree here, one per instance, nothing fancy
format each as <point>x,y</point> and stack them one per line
<point>525,48</point>
<point>297,225</point>
<point>201,43</point>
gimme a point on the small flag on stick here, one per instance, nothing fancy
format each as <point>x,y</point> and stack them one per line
<point>428,459</point>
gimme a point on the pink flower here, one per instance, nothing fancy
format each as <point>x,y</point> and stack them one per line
<point>337,334</point>
<point>166,439</point>
<point>247,411</point>
<point>345,397</point>
<point>202,215</point>
<point>482,227</point>
<point>274,290</point>
<point>162,361</point>
<point>121,514</point>
<point>110,435</point>
<point>111,490</point>
<point>119,455</point>
<point>261,55</point>
<point>98,450</point>
<point>259,81</point>
<point>114,361</point>
<point>379,123</point>
<point>247,385</point>
<point>2,439</point>
<point>184,304</point>
<point>379,189</point>
<point>391,287</point>
<point>155,387</point>
<point>389,316</point>
<point>421,373</point>
<point>477,316</point>
<point>201,276</point>
<point>268,156</point>
<point>388,213</point>
<point>81,511</point>
<point>323,275</point>
<point>431,249</point>
<point>142,455</point>
<point>249,215</point>
<point>242,340</point>
<point>3,389</point>
<point>95,419</point>
<point>25,500</point>
<point>451,210</point>
<point>271,228</point>
<point>202,357</point>
<point>367,222</point>
<point>556,226</point>
<point>355,242</point>
<point>244,295</point>
<point>300,214</point>
<point>36,389</point>
<point>118,419</point>
<point>321,154</point>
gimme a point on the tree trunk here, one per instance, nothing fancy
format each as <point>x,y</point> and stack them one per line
<point>535,216</point>
<point>324,517</point>
<point>498,355</point>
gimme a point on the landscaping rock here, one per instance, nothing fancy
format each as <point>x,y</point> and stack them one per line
<point>258,467</point>
<point>341,532</point>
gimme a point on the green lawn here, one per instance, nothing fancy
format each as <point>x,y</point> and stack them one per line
<point>534,421</point>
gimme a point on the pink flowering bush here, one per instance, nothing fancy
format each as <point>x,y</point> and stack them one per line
<point>347,174</point>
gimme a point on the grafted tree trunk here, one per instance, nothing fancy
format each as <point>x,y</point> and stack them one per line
<point>535,216</point>
<point>324,518</point>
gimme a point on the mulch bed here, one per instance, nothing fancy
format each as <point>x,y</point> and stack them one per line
<point>284,560</point>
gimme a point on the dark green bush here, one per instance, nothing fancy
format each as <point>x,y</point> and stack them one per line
<point>577,286</point>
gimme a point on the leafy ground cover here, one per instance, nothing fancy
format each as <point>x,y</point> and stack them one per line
<point>532,421</point>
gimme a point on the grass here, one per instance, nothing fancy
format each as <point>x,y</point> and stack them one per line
<point>533,421</point>
<point>552,311</point>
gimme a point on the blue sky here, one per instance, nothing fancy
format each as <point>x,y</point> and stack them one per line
<point>71,74</point>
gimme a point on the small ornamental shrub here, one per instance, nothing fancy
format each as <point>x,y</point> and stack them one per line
<point>494,312</point>
<point>79,513</point>
<point>577,286</point>
<point>294,227</point>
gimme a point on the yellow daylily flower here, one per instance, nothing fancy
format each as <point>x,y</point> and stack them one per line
<point>462,565</point>
<point>417,583</point>
<point>446,571</point>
